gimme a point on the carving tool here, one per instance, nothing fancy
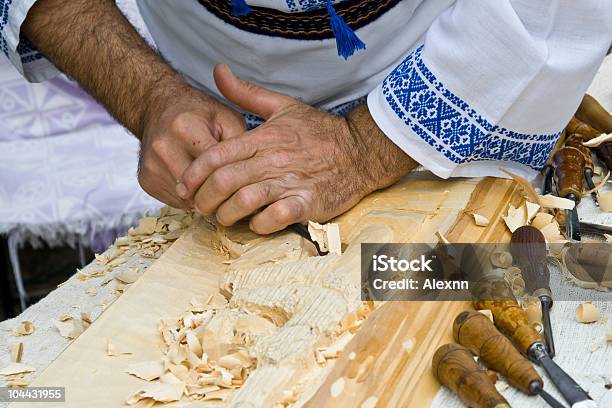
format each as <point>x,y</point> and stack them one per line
<point>512,321</point>
<point>528,248</point>
<point>575,140</point>
<point>569,166</point>
<point>476,332</point>
<point>454,366</point>
<point>595,228</point>
<point>302,231</point>
<point>491,291</point>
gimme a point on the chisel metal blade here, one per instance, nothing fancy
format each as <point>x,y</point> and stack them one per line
<point>571,391</point>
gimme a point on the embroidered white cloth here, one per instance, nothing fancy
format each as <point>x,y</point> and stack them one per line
<point>463,86</point>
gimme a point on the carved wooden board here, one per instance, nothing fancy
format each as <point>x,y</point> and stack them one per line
<point>414,209</point>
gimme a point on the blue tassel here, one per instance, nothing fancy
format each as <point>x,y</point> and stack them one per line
<point>347,41</point>
<point>240,8</point>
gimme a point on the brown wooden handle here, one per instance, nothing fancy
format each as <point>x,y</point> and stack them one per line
<point>512,321</point>
<point>575,140</point>
<point>528,248</point>
<point>569,171</point>
<point>578,126</point>
<point>454,366</point>
<point>476,332</point>
<point>590,111</point>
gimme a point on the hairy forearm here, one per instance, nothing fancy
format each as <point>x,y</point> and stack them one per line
<point>92,42</point>
<point>381,160</point>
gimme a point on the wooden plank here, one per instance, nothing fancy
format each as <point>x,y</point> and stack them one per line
<point>414,208</point>
<point>397,376</point>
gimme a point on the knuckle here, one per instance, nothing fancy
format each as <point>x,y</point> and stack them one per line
<point>281,159</point>
<point>221,181</point>
<point>181,124</point>
<point>287,212</point>
<point>158,145</point>
<point>247,199</point>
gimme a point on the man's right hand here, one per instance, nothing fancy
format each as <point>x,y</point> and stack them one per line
<point>175,134</point>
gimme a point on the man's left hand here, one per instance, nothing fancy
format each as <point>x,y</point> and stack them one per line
<point>301,164</point>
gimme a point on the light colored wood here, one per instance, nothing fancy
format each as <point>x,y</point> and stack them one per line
<point>414,208</point>
<point>400,378</point>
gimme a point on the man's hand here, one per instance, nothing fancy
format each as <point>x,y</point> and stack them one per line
<point>177,132</point>
<point>300,165</point>
<point>92,42</point>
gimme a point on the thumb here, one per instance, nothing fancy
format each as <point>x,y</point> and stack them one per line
<point>249,96</point>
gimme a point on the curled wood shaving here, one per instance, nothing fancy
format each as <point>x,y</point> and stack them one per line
<point>16,368</point>
<point>480,220</point>
<point>92,291</point>
<point>551,201</point>
<point>146,225</point>
<point>515,218</point>
<point>501,259</point>
<point>70,327</point>
<point>129,275</point>
<point>587,313</point>
<point>532,210</point>
<point>609,337</point>
<point>600,184</point>
<point>25,328</point>
<point>541,220</point>
<point>596,141</point>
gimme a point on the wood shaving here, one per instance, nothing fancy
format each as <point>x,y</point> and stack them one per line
<point>17,352</point>
<point>480,220</point>
<point>541,220</point>
<point>16,368</point>
<point>147,370</point>
<point>25,328</point>
<point>551,232</point>
<point>608,238</point>
<point>442,238</point>
<point>337,387</point>
<point>158,392</point>
<point>605,202</point>
<point>129,275</point>
<point>327,236</point>
<point>609,337</point>
<point>532,210</point>
<point>596,141</point>
<point>408,345</point>
<point>595,346</point>
<point>116,262</point>
<point>515,218</point>
<point>70,327</point>
<point>146,225</point>
<point>92,291</point>
<point>551,201</point>
<point>501,259</point>
<point>587,313</point>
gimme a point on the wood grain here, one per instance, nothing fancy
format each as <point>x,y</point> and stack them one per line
<point>415,209</point>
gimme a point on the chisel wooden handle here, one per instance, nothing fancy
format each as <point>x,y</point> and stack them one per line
<point>511,320</point>
<point>577,126</point>
<point>569,171</point>
<point>575,140</point>
<point>454,366</point>
<point>528,248</point>
<point>476,332</point>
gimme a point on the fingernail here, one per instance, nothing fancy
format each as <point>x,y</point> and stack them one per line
<point>181,190</point>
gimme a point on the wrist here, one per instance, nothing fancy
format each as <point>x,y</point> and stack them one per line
<point>385,163</point>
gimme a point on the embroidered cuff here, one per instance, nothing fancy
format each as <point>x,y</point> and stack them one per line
<point>444,134</point>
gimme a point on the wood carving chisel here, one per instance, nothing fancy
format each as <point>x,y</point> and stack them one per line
<point>569,165</point>
<point>491,291</point>
<point>511,320</point>
<point>302,231</point>
<point>575,140</point>
<point>476,332</point>
<point>454,366</point>
<point>528,248</point>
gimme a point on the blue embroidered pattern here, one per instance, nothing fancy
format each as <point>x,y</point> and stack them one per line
<point>25,48</point>
<point>451,126</point>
